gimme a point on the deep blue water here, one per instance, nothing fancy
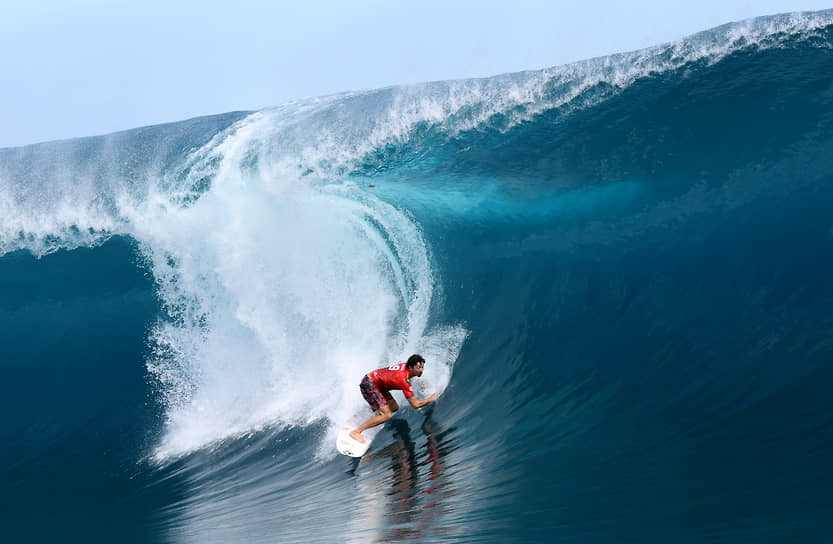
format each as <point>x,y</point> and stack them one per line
<point>617,270</point>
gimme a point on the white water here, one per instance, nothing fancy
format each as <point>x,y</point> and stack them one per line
<point>282,293</point>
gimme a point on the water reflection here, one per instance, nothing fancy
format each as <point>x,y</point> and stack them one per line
<point>404,485</point>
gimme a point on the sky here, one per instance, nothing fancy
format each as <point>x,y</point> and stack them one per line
<point>71,68</point>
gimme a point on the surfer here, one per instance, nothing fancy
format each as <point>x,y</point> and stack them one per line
<point>376,387</point>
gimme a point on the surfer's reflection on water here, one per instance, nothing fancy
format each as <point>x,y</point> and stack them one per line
<point>412,506</point>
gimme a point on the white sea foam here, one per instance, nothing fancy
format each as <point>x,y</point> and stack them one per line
<point>43,221</point>
<point>281,295</point>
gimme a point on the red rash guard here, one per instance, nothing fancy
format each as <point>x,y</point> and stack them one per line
<point>393,377</point>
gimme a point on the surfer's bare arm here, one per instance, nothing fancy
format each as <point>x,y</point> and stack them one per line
<point>417,403</point>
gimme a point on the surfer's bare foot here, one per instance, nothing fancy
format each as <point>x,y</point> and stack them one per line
<point>357,436</point>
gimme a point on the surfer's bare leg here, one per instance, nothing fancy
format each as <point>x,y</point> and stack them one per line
<point>384,414</point>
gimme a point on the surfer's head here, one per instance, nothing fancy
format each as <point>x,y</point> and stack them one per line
<point>416,364</point>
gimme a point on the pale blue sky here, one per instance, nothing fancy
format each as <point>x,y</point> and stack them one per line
<point>82,67</point>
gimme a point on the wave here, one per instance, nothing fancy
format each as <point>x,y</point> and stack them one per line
<point>614,268</point>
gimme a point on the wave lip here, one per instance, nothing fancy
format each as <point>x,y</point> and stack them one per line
<point>78,192</point>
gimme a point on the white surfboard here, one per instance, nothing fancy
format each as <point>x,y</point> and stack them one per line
<point>346,445</point>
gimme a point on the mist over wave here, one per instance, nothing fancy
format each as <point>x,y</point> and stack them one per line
<point>616,270</point>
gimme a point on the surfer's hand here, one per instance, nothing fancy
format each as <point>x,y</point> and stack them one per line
<point>432,398</point>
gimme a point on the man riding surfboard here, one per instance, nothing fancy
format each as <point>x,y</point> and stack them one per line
<point>377,385</point>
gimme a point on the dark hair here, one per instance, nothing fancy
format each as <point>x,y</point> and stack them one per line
<point>414,359</point>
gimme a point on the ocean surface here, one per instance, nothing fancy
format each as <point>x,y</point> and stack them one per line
<point>618,271</point>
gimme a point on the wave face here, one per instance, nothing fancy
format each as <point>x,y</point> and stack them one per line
<point>617,270</point>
